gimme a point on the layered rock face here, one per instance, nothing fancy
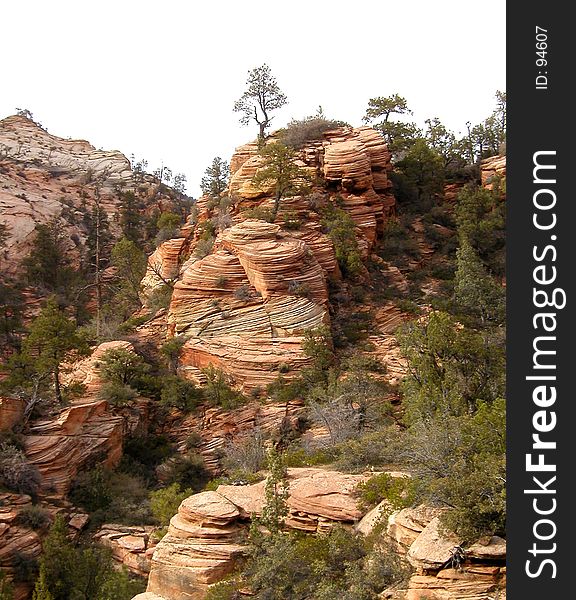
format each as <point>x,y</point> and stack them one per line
<point>43,177</point>
<point>207,537</point>
<point>131,546</point>
<point>83,432</point>
<point>354,162</point>
<point>492,168</point>
<point>245,307</point>
<point>443,569</point>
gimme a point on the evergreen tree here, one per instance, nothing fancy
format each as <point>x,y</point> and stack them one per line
<point>280,171</point>
<point>48,266</point>
<point>215,178</point>
<point>131,218</point>
<point>276,493</point>
<point>130,266</point>
<point>399,135</point>
<point>261,97</point>
<point>52,340</point>
<point>475,291</point>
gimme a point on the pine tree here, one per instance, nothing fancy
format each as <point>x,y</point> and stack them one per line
<point>215,178</point>
<point>53,339</point>
<point>280,171</point>
<point>276,493</point>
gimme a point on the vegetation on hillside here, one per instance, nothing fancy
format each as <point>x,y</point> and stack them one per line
<point>444,424</point>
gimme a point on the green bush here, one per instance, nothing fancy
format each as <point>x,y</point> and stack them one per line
<point>338,565</point>
<point>16,473</point>
<point>399,492</point>
<point>143,453</point>
<point>187,471</point>
<point>34,517</point>
<point>119,365</point>
<point>117,394</point>
<point>164,503</point>
<point>340,228</point>
<point>217,390</point>
<point>179,393</point>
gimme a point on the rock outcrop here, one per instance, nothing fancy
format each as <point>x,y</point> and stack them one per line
<point>245,307</point>
<point>85,431</point>
<point>443,569</point>
<point>491,169</point>
<point>207,537</point>
<point>45,177</point>
<point>131,546</point>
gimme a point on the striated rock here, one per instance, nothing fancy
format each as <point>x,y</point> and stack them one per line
<point>488,549</point>
<point>216,426</point>
<point>491,168</point>
<point>45,177</point>
<point>431,549</point>
<point>349,163</point>
<point>246,307</point>
<point>406,525</point>
<point>131,546</point>
<point>58,448</point>
<point>352,160</point>
<point>203,544</point>
<point>11,412</point>
<point>81,433</point>
<point>207,537</point>
<point>163,266</point>
<point>476,583</point>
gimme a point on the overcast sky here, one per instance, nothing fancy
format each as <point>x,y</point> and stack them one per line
<point>158,79</point>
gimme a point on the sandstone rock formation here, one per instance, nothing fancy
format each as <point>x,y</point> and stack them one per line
<point>132,546</point>
<point>84,431</point>
<point>353,161</point>
<point>245,307</point>
<point>444,570</point>
<point>43,176</point>
<point>208,535</point>
<point>11,412</point>
<point>492,167</point>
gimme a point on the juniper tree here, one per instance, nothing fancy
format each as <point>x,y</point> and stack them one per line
<point>260,98</point>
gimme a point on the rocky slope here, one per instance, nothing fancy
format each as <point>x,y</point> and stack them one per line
<point>43,176</point>
<point>207,538</point>
<point>246,306</point>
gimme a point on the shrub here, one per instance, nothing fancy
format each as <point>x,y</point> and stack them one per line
<point>194,440</point>
<point>181,394</point>
<point>340,228</point>
<point>217,390</point>
<point>247,454</point>
<point>187,471</point>
<point>170,350</point>
<point>164,503</point>
<point>120,365</point>
<point>159,298</point>
<point>243,293</point>
<point>34,517</point>
<point>143,453</point>
<point>259,212</point>
<point>292,221</point>
<point>111,496</point>
<point>117,394</point>
<point>204,247</point>
<point>399,492</point>
<point>15,471</point>
<point>220,281</point>
<point>297,288</point>
<point>298,132</point>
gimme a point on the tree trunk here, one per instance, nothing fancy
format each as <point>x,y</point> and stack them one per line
<point>57,388</point>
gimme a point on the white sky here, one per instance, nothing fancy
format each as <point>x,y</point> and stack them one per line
<point>159,78</point>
